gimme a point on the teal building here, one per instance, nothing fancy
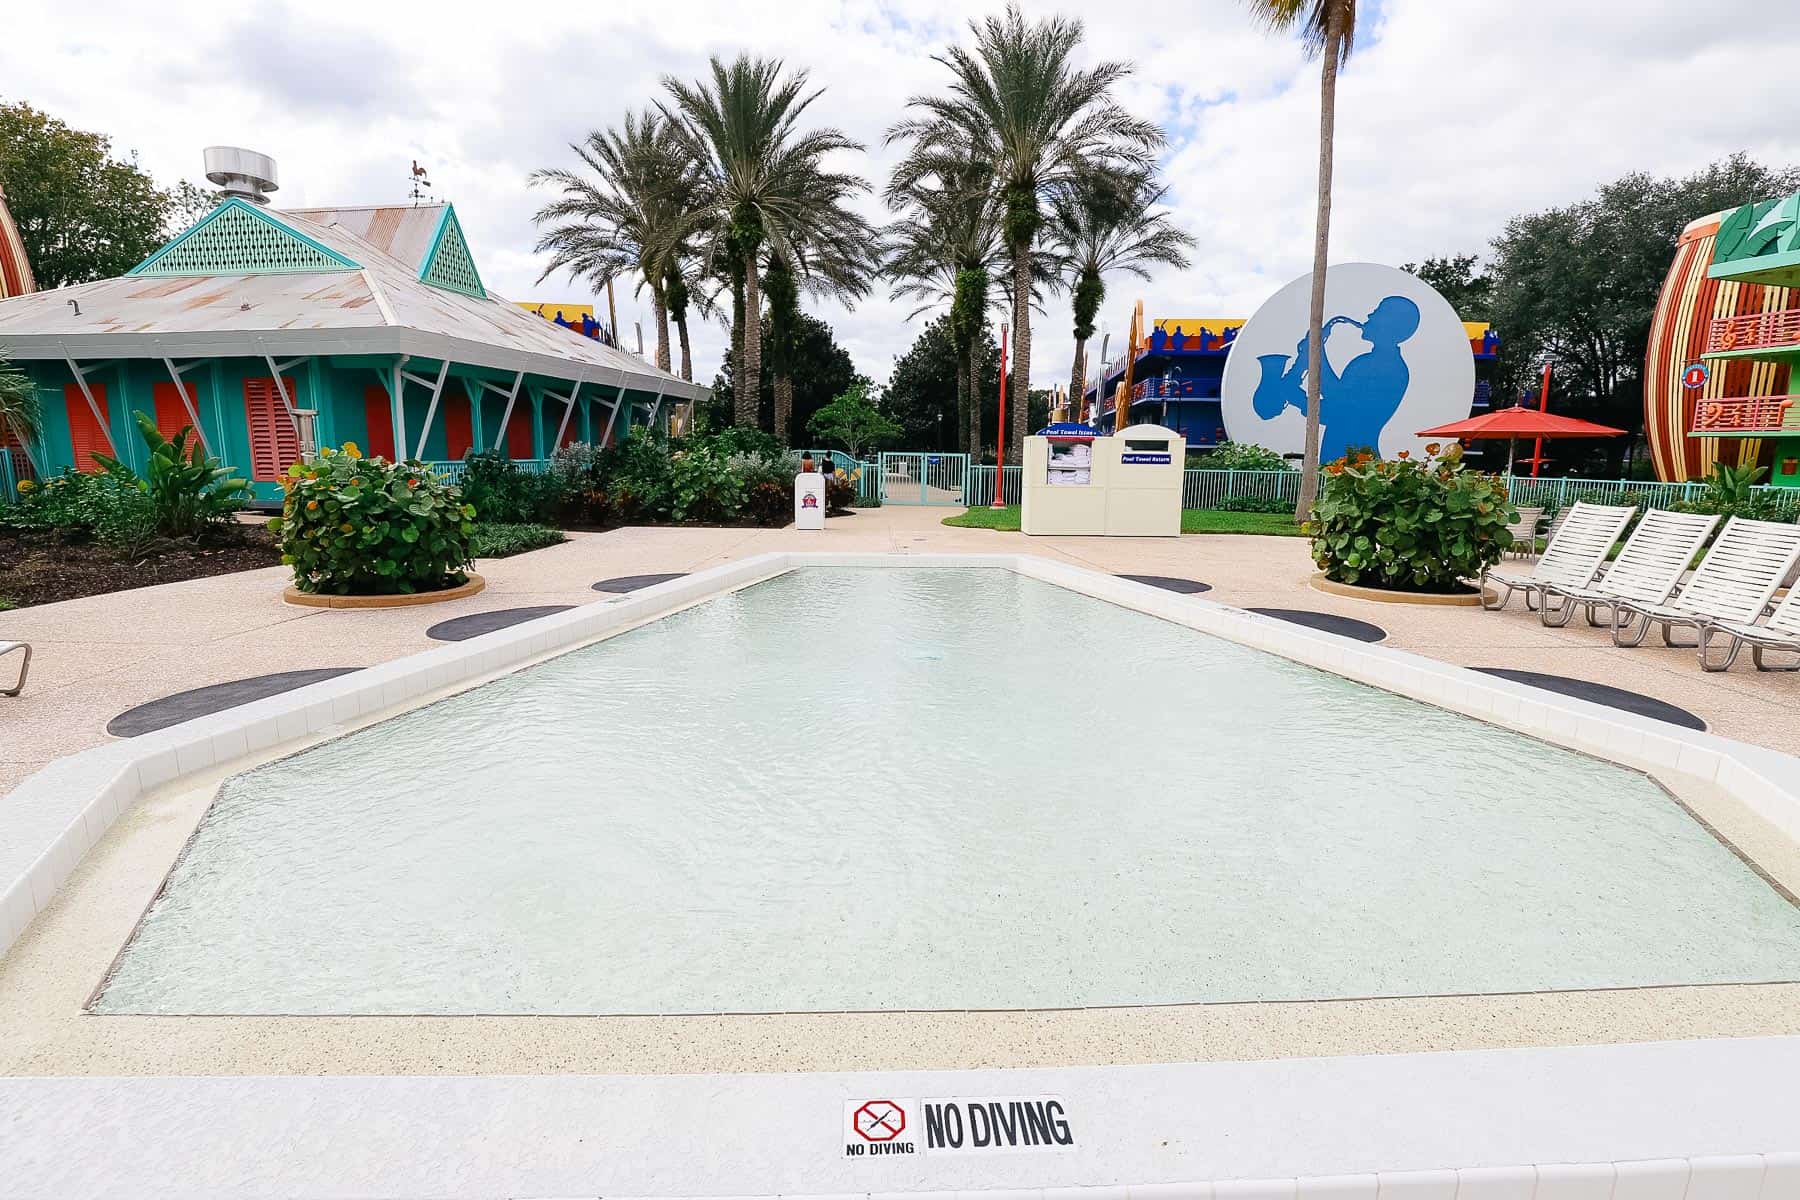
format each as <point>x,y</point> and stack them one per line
<point>271,330</point>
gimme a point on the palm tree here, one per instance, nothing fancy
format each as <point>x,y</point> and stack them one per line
<point>628,217</point>
<point>1107,223</point>
<point>1017,101</point>
<point>1328,28</point>
<point>760,181</point>
<point>946,249</point>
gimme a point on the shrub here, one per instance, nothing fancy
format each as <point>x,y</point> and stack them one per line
<point>1731,492</point>
<point>109,507</point>
<point>501,492</point>
<point>1410,526</point>
<point>769,504</point>
<point>188,491</point>
<point>1255,504</point>
<point>351,525</point>
<point>840,494</point>
<point>501,541</point>
<point>702,486</point>
<point>1240,456</point>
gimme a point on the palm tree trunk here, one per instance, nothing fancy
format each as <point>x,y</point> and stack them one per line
<point>1315,348</point>
<point>737,343</point>
<point>784,407</point>
<point>1078,379</point>
<point>747,401</point>
<point>687,353</point>
<point>659,312</point>
<point>975,397</point>
<point>960,433</point>
<point>1018,388</point>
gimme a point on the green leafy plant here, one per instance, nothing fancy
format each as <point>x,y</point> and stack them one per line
<point>108,507</point>
<point>351,525</point>
<point>501,492</point>
<point>1241,456</point>
<point>1732,492</point>
<point>1424,525</point>
<point>1255,504</point>
<point>189,491</point>
<point>502,540</point>
<point>702,486</point>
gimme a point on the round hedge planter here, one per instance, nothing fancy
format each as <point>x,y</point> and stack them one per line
<point>294,595</point>
<point>1385,596</point>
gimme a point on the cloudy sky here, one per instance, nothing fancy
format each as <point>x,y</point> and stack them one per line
<point>1454,114</point>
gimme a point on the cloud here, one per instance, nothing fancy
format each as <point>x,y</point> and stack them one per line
<point>1453,114</point>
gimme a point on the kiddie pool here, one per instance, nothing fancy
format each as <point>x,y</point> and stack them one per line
<point>1184,847</point>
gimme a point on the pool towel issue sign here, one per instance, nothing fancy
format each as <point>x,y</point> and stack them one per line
<point>883,1128</point>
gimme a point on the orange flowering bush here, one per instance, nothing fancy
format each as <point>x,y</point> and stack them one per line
<point>1413,525</point>
<point>355,526</point>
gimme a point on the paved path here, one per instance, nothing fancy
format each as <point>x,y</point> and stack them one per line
<point>99,656</point>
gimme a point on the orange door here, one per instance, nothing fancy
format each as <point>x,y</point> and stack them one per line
<point>459,432</point>
<point>171,414</point>
<point>518,433</point>
<point>378,415</point>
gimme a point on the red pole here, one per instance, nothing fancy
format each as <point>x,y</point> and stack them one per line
<point>1537,446</point>
<point>1000,436</point>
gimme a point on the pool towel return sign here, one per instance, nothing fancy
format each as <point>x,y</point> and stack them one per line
<point>885,1128</point>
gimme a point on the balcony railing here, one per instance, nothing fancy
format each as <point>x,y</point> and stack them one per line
<point>1175,389</point>
<point>1746,413</point>
<point>1779,330</point>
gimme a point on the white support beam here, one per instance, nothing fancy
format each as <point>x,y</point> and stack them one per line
<point>437,391</point>
<point>656,404</point>
<point>618,403</point>
<point>512,398</point>
<point>187,401</point>
<point>93,404</point>
<point>397,401</point>
<point>281,388</point>
<point>568,411</point>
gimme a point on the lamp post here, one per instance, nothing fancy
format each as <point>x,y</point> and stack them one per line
<point>1000,436</point>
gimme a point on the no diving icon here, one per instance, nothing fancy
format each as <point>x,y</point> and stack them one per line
<point>880,1121</point>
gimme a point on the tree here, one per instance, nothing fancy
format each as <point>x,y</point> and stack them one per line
<point>1017,102</point>
<point>1577,285</point>
<point>760,181</point>
<point>1108,222</point>
<point>82,214</point>
<point>628,218</point>
<point>853,422</point>
<point>1328,28</point>
<point>1454,277</point>
<point>820,369</point>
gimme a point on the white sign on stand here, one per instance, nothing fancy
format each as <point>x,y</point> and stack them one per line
<point>809,500</point>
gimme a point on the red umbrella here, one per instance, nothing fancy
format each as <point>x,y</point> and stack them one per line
<point>1520,422</point>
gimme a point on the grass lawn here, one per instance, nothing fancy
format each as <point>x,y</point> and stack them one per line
<point>1193,520</point>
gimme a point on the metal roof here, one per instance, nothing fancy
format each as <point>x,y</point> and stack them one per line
<point>383,308</point>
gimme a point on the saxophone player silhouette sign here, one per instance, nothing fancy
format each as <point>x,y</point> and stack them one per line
<point>1396,359</point>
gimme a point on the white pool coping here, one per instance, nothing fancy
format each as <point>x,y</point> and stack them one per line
<point>50,822</point>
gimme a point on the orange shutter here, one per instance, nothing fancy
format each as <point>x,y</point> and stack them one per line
<point>379,415</point>
<point>459,433</point>
<point>86,436</point>
<point>171,414</point>
<point>274,443</point>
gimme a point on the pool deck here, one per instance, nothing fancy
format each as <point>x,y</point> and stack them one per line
<point>99,656</point>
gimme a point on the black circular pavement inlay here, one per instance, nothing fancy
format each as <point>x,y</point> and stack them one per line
<point>1600,693</point>
<point>631,583</point>
<point>215,697</point>
<point>1348,627</point>
<point>1186,587</point>
<point>461,629</point>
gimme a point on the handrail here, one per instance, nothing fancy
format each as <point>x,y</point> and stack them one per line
<point>1775,330</point>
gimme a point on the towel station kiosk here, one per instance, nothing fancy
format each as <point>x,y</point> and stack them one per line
<point>1127,485</point>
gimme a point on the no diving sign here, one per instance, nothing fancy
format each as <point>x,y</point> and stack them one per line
<point>879,1128</point>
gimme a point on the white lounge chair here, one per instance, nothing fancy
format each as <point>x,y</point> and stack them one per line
<point>1524,533</point>
<point>1732,583</point>
<point>1576,552</point>
<point>1781,632</point>
<point>1649,565</point>
<point>24,665</point>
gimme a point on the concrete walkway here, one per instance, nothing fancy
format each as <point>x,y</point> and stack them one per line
<point>99,656</point>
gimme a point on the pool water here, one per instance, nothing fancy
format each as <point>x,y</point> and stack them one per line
<point>933,789</point>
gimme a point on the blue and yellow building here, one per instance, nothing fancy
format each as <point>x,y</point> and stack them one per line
<point>264,329</point>
<point>1178,369</point>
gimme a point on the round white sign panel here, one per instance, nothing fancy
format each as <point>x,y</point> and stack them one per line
<point>1397,360</point>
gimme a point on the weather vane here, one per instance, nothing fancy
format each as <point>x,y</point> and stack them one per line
<point>421,186</point>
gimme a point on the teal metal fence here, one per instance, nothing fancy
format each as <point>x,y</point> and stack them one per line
<point>980,487</point>
<point>911,477</point>
<point>452,471</point>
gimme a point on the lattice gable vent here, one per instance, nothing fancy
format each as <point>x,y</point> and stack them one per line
<point>239,239</point>
<point>449,265</point>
